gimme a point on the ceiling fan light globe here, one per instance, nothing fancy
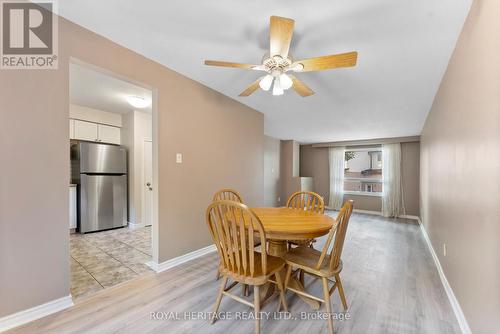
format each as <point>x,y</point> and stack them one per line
<point>285,81</point>
<point>277,89</point>
<point>298,67</point>
<point>266,82</point>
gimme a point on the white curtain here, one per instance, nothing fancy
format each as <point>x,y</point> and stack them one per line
<point>392,199</point>
<point>337,156</point>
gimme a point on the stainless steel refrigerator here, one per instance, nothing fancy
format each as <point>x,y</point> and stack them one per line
<point>100,170</point>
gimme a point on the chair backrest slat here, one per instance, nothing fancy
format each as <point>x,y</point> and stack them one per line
<point>232,226</point>
<point>306,200</point>
<point>228,195</point>
<point>338,231</point>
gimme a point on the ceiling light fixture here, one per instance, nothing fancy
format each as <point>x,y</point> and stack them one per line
<point>277,89</point>
<point>297,67</point>
<point>138,101</point>
<point>278,61</point>
<point>285,81</point>
<point>266,82</point>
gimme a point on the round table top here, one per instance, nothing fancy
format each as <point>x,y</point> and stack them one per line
<point>293,224</point>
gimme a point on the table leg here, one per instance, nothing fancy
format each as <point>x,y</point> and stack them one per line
<point>276,248</point>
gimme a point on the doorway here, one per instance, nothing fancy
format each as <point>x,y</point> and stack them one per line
<point>110,113</point>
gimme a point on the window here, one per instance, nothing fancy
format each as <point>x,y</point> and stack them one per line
<point>363,172</point>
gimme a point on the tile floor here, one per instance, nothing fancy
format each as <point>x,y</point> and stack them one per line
<point>103,259</point>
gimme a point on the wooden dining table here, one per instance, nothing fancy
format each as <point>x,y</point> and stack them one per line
<point>284,224</point>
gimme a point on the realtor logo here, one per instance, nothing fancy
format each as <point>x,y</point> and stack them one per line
<point>29,35</point>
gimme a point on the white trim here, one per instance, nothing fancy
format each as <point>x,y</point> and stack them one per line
<point>362,193</point>
<point>34,313</point>
<point>143,181</point>
<point>377,213</point>
<point>462,321</point>
<point>159,267</point>
<point>364,179</point>
<point>134,225</point>
<point>410,217</point>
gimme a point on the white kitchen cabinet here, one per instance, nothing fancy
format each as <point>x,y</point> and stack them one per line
<point>71,129</point>
<point>85,130</point>
<point>72,206</point>
<point>90,131</point>
<point>108,134</point>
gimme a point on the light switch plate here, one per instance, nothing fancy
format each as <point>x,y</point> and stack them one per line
<point>178,158</point>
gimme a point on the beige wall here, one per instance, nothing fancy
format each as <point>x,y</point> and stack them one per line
<point>221,141</point>
<point>272,184</point>
<point>460,169</point>
<point>290,165</point>
<point>410,171</point>
<point>314,162</point>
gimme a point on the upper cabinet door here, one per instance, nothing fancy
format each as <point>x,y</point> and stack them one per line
<point>85,131</point>
<point>109,134</point>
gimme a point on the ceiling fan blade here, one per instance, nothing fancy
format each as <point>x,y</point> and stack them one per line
<point>280,35</point>
<point>229,64</point>
<point>300,87</point>
<point>252,88</point>
<point>328,62</point>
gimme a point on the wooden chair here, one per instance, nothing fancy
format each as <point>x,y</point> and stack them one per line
<point>233,226</point>
<point>308,201</point>
<point>227,194</point>
<point>323,265</point>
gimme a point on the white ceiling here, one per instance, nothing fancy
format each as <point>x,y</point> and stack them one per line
<point>94,89</point>
<point>404,47</point>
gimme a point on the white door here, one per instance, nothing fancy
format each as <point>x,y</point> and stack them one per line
<point>85,130</point>
<point>147,183</point>
<point>109,134</point>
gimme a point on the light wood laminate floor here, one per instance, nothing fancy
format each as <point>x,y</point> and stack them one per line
<point>390,280</point>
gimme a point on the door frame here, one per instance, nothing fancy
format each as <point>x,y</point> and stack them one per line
<point>154,110</point>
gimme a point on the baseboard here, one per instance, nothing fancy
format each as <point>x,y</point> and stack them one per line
<point>133,225</point>
<point>159,267</point>
<point>417,218</point>
<point>462,321</point>
<point>377,213</point>
<point>34,313</point>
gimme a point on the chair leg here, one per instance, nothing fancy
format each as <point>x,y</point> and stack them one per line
<point>256,307</point>
<point>301,277</point>
<point>217,275</point>
<point>245,290</point>
<point>326,294</point>
<point>219,298</point>
<point>288,276</point>
<point>341,291</point>
<point>282,301</point>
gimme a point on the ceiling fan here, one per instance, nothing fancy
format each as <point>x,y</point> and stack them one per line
<point>278,63</point>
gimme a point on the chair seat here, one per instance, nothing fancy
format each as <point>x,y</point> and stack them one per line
<point>307,258</point>
<point>274,264</point>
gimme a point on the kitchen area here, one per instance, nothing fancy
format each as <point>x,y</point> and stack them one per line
<point>110,190</point>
